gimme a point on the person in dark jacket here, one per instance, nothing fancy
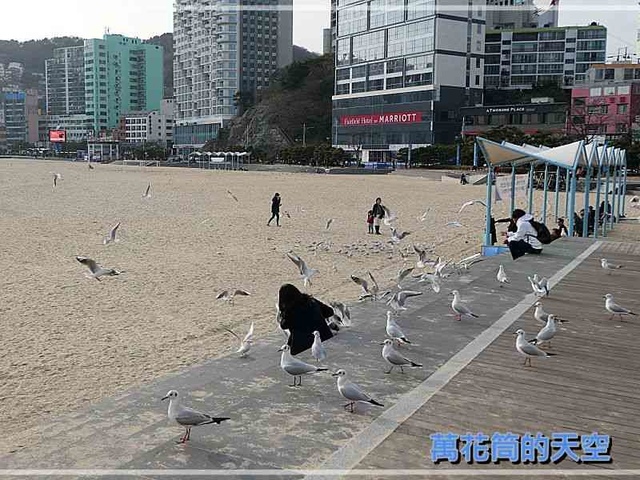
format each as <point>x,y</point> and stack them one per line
<point>275,209</point>
<point>302,315</point>
<point>378,214</point>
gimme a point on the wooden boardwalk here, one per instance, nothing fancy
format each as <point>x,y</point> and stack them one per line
<point>592,385</point>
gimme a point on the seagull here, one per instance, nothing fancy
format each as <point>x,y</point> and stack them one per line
<point>454,224</point>
<point>232,196</point>
<point>295,367</point>
<point>96,270</point>
<point>528,350</point>
<point>56,177</point>
<point>398,301</point>
<point>395,359</point>
<point>111,238</point>
<point>329,222</point>
<point>423,217</point>
<point>389,216</point>
<point>540,288</point>
<point>188,417</point>
<point>90,166</point>
<point>317,349</point>
<point>609,266</point>
<point>398,237</point>
<point>547,333</point>
<point>460,308</point>
<point>305,272</point>
<point>422,257</point>
<point>147,193</point>
<point>341,313</point>
<point>440,266</point>
<point>614,309</point>
<point>245,343</point>
<point>539,314</point>
<point>394,331</point>
<point>352,392</point>
<point>470,203</point>
<point>502,276</point>
<point>402,274</point>
<point>287,214</point>
<point>433,279</point>
<point>225,296</point>
<point>372,291</point>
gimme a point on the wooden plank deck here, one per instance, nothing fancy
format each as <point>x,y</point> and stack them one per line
<point>592,385</point>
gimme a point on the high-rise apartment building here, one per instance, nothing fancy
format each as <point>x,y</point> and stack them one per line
<point>511,14</point>
<point>225,52</point>
<point>122,74</point>
<point>64,76</point>
<point>403,71</point>
<point>20,115</point>
<point>522,58</point>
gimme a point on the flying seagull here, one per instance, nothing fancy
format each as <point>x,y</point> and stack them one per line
<point>111,238</point>
<point>402,274</point>
<point>188,417</point>
<point>389,216</point>
<point>225,296</point>
<point>305,272</point>
<point>296,368</point>
<point>245,343</point>
<point>341,313</point>
<point>369,291</point>
<point>395,359</point>
<point>528,350</point>
<point>460,308</point>
<point>397,302</point>
<point>422,257</point>
<point>96,270</point>
<point>432,279</point>
<point>147,193</point>
<point>614,309</point>
<point>454,224</point>
<point>232,196</point>
<point>470,203</point>
<point>352,392</point>
<point>398,237</point>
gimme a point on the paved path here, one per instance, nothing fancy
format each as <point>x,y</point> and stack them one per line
<point>277,427</point>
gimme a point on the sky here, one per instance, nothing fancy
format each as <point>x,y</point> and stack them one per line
<point>34,19</point>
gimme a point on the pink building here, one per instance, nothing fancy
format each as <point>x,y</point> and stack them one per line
<point>607,104</point>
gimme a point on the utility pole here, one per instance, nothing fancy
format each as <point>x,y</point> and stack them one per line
<point>304,134</point>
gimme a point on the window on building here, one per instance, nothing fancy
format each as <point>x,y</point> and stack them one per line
<point>592,45</point>
<point>551,47</point>
<point>628,74</point>
<point>419,79</point>
<point>342,74</point>
<point>369,46</point>
<point>343,52</point>
<point>623,108</point>
<point>342,89</point>
<point>420,8</point>
<point>395,82</point>
<point>477,80</point>
<point>376,69</point>
<point>395,66</point>
<point>592,33</point>
<point>524,58</point>
<point>525,47</point>
<point>624,90</point>
<point>621,128</point>
<point>375,85</point>
<point>359,72</point>
<point>491,48</point>
<point>525,37</point>
<point>358,87</point>
<point>551,35</point>
<point>609,74</point>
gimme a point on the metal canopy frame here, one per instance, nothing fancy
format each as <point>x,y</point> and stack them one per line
<point>600,162</point>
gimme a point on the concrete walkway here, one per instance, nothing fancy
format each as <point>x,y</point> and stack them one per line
<point>277,427</point>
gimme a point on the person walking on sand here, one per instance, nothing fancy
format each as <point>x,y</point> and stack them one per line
<point>276,201</point>
<point>378,214</point>
<point>370,220</point>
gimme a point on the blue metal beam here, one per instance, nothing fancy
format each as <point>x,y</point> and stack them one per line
<point>531,186</point>
<point>557,199</point>
<point>546,193</point>
<point>513,189</point>
<point>605,224</point>
<point>572,202</point>
<point>597,205</point>
<point>587,191</point>
<point>487,231</point>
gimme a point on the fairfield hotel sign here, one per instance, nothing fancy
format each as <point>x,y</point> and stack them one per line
<point>380,119</point>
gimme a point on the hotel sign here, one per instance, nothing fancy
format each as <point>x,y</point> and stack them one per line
<point>380,119</point>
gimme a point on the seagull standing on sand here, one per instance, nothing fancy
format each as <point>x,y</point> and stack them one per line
<point>502,276</point>
<point>547,333</point>
<point>614,309</point>
<point>317,349</point>
<point>352,392</point>
<point>393,330</point>
<point>56,177</point>
<point>528,350</point>
<point>296,368</point>
<point>96,270</point>
<point>245,343</point>
<point>470,203</point>
<point>460,308</point>
<point>188,417</point>
<point>397,302</point>
<point>111,238</point>
<point>395,359</point>
<point>423,217</point>
<point>232,196</point>
<point>305,272</point>
<point>609,266</point>
<point>225,296</point>
<point>147,193</point>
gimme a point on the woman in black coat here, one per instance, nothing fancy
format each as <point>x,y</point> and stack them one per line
<point>302,315</point>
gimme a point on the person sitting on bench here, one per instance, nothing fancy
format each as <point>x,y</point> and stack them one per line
<point>525,239</point>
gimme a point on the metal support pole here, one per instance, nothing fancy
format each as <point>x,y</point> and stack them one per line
<point>596,224</point>
<point>546,193</point>
<point>567,182</point>
<point>487,231</point>
<point>613,195</point>
<point>587,192</point>
<point>531,171</point>
<point>572,202</point>
<point>624,189</point>
<point>475,154</point>
<point>605,223</point>
<point>513,189</point>
<point>458,154</point>
<point>557,199</point>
